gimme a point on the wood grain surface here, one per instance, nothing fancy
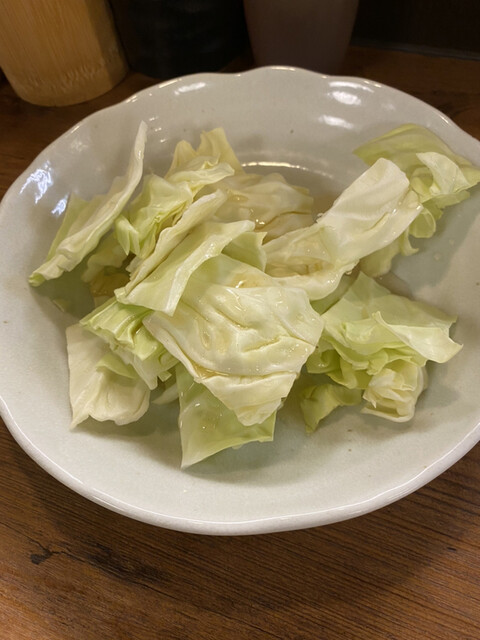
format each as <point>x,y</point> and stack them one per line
<point>70,569</point>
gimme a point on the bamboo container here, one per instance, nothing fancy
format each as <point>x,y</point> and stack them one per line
<point>59,52</point>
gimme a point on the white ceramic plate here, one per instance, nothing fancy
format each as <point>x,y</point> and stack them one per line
<point>305,125</point>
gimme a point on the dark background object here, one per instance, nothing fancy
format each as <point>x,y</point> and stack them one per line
<point>313,34</point>
<point>168,38</point>
<point>443,27</point>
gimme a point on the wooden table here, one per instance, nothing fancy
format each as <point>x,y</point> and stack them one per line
<point>70,569</point>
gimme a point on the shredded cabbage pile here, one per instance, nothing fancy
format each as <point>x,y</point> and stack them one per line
<point>217,289</point>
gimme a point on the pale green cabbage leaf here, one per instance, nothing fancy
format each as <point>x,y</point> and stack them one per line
<point>207,426</point>
<point>220,334</point>
<point>199,211</point>
<point>213,144</point>
<point>85,223</point>
<point>137,228</point>
<point>378,342</point>
<point>370,214</point>
<point>121,327</point>
<point>98,388</point>
<point>318,401</point>
<point>438,176</point>
<point>162,289</point>
<point>273,204</point>
<point>160,204</point>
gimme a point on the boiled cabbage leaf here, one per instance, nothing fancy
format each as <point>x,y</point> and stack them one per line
<point>85,223</point>
<point>273,204</point>
<point>98,388</point>
<point>240,334</point>
<point>370,214</point>
<point>207,426</point>
<point>121,327</point>
<point>161,289</point>
<point>379,342</point>
<point>213,144</point>
<point>436,174</point>
<point>199,211</point>
<point>137,228</point>
<point>318,401</point>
